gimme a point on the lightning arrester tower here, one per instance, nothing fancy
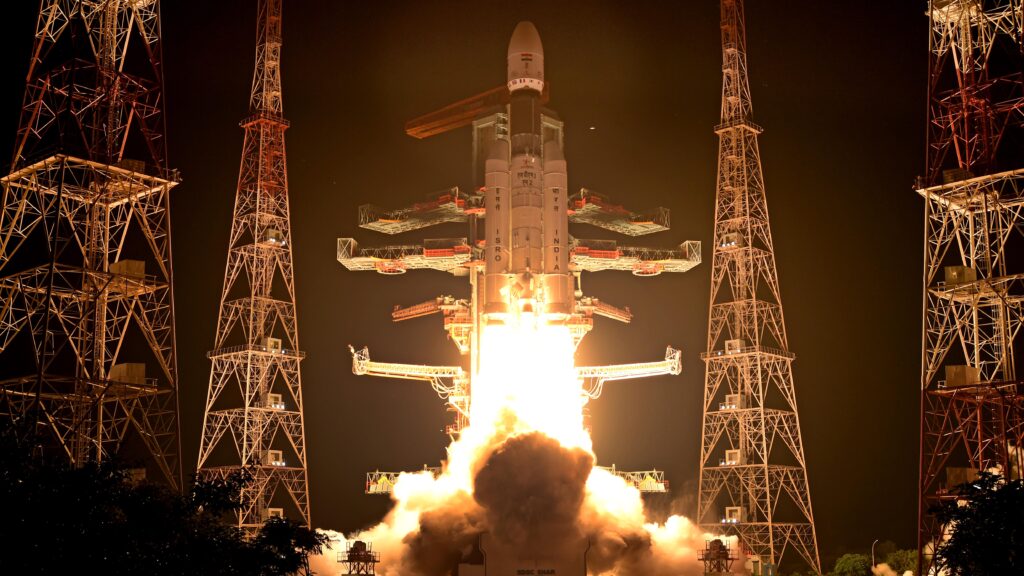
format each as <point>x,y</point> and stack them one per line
<point>972,406</point>
<point>255,392</point>
<point>753,473</point>
<point>87,348</point>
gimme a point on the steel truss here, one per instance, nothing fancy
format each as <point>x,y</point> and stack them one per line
<point>359,558</point>
<point>255,390</point>
<point>379,483</point>
<point>588,207</point>
<point>453,205</point>
<point>749,396</point>
<point>972,409</point>
<point>453,255</point>
<point>85,245</point>
<point>646,481</point>
<point>450,382</point>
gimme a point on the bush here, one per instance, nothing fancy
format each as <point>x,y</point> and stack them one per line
<point>987,534</point>
<point>92,519</point>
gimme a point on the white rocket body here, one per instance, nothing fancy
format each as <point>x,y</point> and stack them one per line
<point>559,286</point>
<point>526,228</point>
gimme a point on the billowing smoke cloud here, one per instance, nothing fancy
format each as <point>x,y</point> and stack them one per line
<point>623,540</point>
<point>521,478</point>
<point>532,491</point>
<point>428,530</point>
<point>884,569</point>
<point>326,562</point>
<point>445,534</point>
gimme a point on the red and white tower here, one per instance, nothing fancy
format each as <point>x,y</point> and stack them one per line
<point>753,472</point>
<point>255,392</point>
<point>972,406</point>
<point>87,350</point>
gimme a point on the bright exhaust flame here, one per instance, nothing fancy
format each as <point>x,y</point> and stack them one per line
<point>527,376</point>
<point>526,385</point>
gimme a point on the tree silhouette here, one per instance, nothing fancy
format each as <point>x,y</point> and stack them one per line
<point>986,528</point>
<point>94,519</point>
<point>852,565</point>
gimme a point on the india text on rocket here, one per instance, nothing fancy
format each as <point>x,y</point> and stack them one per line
<point>521,262</point>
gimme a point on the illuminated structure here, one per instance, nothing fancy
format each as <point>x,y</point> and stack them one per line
<point>752,456</point>
<point>646,481</point>
<point>717,557</point>
<point>359,558</point>
<point>972,407</point>
<point>86,305</point>
<point>518,255</point>
<point>255,392</point>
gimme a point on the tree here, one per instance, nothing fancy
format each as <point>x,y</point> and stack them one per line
<point>93,519</point>
<point>285,546</point>
<point>986,534</point>
<point>902,560</point>
<point>852,565</point>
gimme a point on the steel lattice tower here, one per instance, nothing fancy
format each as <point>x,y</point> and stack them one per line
<point>255,385</point>
<point>752,456</point>
<point>972,408</point>
<point>86,305</point>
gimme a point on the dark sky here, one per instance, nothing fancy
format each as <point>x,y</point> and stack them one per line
<point>838,86</point>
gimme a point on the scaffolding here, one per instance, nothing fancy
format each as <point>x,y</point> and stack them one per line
<point>87,340</point>
<point>359,558</point>
<point>594,377</point>
<point>752,457</point>
<point>441,254</point>
<point>447,206</point>
<point>449,381</point>
<point>589,207</point>
<point>601,255</point>
<point>454,205</point>
<point>380,483</point>
<point>972,407</point>
<point>717,557</point>
<point>646,481</point>
<point>256,349</point>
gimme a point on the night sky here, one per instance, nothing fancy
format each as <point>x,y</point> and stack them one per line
<point>838,86</point>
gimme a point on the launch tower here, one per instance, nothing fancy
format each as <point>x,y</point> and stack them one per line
<point>972,406</point>
<point>752,457</point>
<point>255,392</point>
<point>87,345</point>
<point>518,254</point>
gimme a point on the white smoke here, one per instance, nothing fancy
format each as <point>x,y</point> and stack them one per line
<point>327,561</point>
<point>435,520</point>
<point>523,472</point>
<point>884,569</point>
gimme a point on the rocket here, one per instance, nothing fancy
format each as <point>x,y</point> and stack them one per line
<point>526,229</point>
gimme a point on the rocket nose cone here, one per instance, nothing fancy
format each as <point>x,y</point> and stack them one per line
<point>525,39</point>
